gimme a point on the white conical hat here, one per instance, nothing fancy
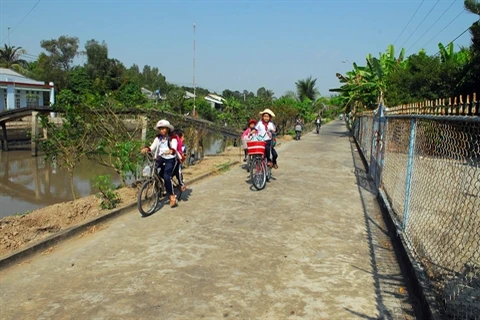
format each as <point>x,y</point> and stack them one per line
<point>267,111</point>
<point>164,124</point>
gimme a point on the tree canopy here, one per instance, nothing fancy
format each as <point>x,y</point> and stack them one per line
<point>420,76</point>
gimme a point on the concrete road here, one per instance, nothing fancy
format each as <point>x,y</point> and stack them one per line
<point>312,245</point>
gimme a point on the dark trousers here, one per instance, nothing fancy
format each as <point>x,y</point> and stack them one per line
<point>270,152</point>
<point>167,167</point>
<point>177,172</point>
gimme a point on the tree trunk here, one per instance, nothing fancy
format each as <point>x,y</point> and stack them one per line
<point>70,174</point>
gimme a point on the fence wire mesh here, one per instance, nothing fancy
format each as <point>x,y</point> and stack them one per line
<point>364,128</point>
<point>440,215</point>
<point>397,139</point>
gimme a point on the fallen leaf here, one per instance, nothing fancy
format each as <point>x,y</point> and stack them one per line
<point>48,251</point>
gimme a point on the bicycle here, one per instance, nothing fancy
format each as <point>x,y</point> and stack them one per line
<point>155,183</point>
<point>260,172</point>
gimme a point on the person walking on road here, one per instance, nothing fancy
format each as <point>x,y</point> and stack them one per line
<point>298,129</point>
<point>318,123</point>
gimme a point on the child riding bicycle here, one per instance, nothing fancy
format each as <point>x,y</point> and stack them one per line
<point>164,150</point>
<point>246,136</point>
<point>265,130</point>
<point>181,156</point>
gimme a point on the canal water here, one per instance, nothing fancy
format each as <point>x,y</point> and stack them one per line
<point>28,183</point>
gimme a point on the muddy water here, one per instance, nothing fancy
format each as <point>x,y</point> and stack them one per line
<point>28,183</point>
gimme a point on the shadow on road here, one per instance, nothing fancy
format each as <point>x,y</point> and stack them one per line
<point>389,279</point>
<point>164,202</point>
<point>340,134</point>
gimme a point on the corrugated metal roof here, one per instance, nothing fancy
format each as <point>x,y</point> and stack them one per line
<point>214,96</point>
<point>8,75</point>
<point>189,95</point>
<point>213,100</point>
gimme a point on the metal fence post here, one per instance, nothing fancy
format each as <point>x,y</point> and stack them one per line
<point>408,183</point>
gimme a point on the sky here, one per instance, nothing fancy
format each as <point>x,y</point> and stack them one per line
<point>240,44</point>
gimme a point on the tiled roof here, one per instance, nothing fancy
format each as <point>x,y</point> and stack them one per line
<point>7,75</point>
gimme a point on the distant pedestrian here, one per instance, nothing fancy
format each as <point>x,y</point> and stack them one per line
<point>318,123</point>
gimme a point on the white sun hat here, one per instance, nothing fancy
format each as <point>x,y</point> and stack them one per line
<point>164,124</point>
<point>267,111</point>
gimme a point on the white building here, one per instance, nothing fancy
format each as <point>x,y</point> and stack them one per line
<point>215,101</point>
<point>18,91</point>
<point>153,95</point>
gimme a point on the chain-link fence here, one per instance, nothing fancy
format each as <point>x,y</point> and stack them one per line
<point>431,178</point>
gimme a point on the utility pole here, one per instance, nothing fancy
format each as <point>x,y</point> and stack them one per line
<point>9,36</point>
<point>194,85</point>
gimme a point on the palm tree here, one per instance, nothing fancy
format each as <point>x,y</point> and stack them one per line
<point>10,57</point>
<point>306,89</point>
<point>265,95</point>
<point>269,95</point>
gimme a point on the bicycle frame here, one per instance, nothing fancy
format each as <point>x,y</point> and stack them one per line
<point>154,172</point>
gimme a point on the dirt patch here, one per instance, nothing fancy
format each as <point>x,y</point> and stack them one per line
<point>17,231</point>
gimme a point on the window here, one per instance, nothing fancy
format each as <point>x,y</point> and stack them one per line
<point>17,100</point>
<point>32,100</point>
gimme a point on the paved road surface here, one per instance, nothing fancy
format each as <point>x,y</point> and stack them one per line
<point>310,246</point>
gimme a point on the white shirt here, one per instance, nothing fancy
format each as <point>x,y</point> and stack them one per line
<point>158,147</point>
<point>263,132</point>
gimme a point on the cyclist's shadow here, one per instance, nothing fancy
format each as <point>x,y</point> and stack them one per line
<point>250,182</point>
<point>164,201</point>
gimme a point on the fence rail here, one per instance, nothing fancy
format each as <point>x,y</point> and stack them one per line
<point>426,160</point>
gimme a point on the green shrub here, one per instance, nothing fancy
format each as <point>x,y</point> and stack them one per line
<point>109,197</point>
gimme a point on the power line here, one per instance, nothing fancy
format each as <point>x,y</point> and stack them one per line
<point>445,27</point>
<point>423,35</point>
<point>31,55</point>
<point>461,34</point>
<point>421,22</point>
<point>409,22</point>
<point>25,17</point>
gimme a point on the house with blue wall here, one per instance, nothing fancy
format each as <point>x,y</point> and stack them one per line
<point>18,91</point>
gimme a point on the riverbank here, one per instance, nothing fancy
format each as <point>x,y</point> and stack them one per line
<point>18,231</point>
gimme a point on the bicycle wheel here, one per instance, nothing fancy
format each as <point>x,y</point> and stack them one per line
<point>149,195</point>
<point>268,172</point>
<point>258,173</point>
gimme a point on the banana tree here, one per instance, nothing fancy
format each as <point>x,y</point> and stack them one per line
<point>365,85</point>
<point>448,54</point>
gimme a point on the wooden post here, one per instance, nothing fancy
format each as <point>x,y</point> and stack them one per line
<point>144,128</point>
<point>474,104</point>
<point>34,133</point>
<point>4,133</point>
